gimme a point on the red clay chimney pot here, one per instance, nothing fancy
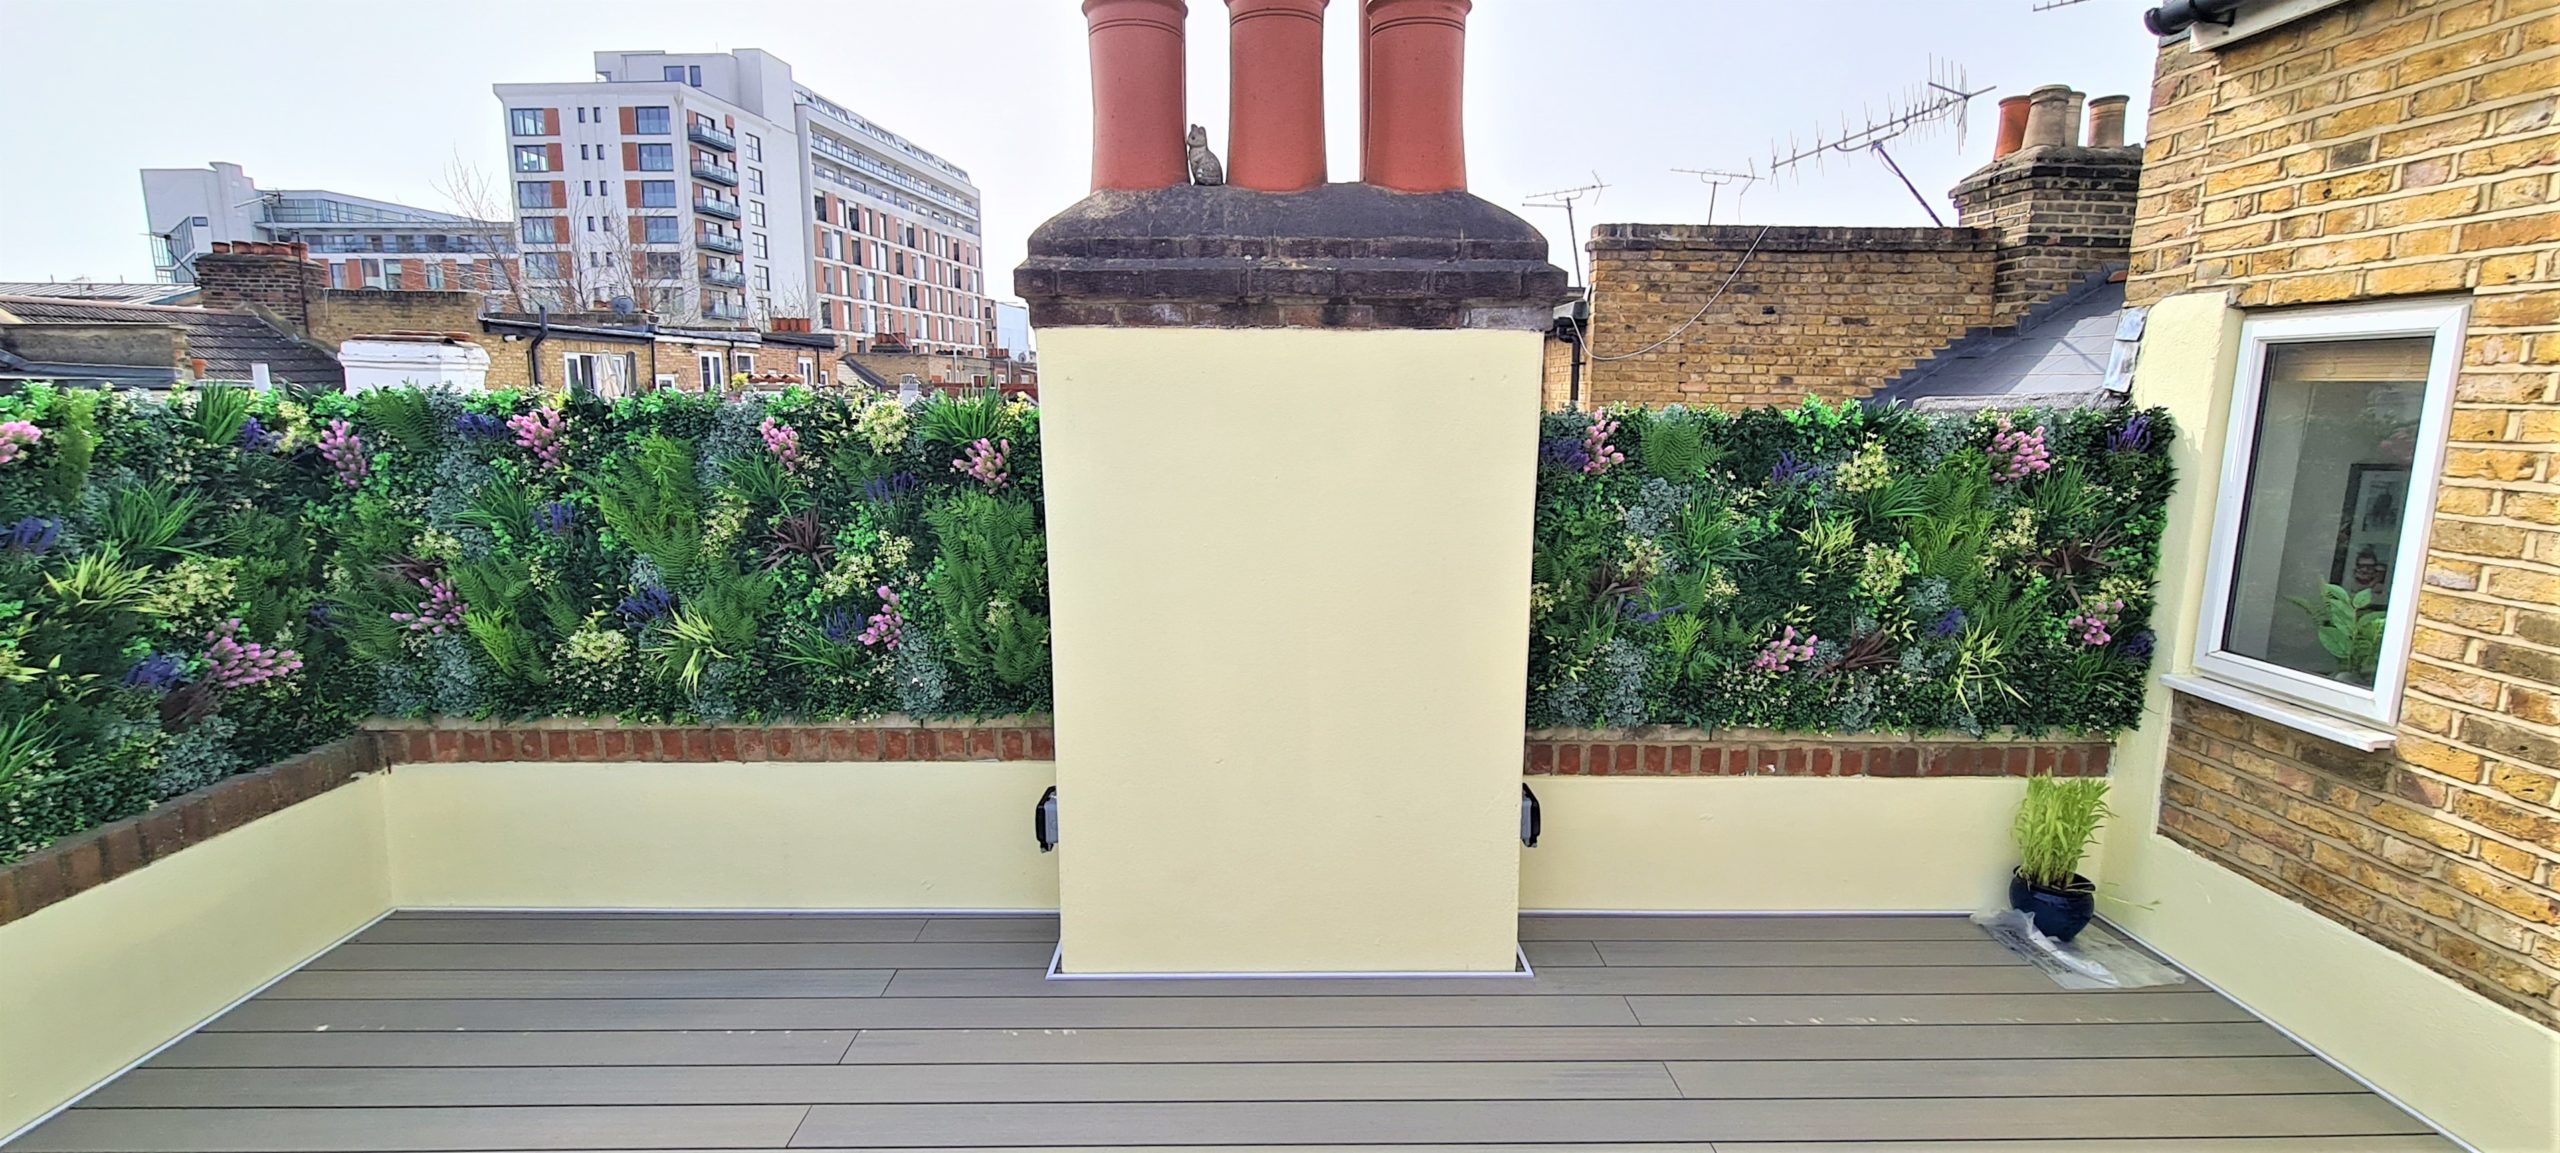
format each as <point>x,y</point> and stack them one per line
<point>1275,118</point>
<point>2013,126</point>
<point>1414,83</point>
<point>1138,123</point>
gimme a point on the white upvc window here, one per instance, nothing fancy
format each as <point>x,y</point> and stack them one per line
<point>2338,419</point>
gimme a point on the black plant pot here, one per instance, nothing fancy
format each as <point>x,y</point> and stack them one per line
<point>2058,913</point>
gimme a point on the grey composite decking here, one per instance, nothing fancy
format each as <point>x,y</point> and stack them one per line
<point>446,1031</point>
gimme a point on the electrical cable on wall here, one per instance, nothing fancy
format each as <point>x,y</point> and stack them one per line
<point>1701,314</point>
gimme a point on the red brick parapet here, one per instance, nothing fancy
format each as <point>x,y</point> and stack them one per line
<point>564,739</point>
<point>1746,753</point>
<point>88,860</point>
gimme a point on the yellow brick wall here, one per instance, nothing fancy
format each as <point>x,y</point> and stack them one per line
<point>1555,380</point>
<point>2388,148</point>
<point>1828,312</point>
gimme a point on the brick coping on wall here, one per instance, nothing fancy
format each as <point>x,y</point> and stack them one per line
<point>569,739</point>
<point>1671,752</point>
<point>87,860</point>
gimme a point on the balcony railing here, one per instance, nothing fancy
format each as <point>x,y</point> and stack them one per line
<point>709,137</point>
<point>719,279</point>
<point>708,206</point>
<point>718,243</point>
<point>716,173</point>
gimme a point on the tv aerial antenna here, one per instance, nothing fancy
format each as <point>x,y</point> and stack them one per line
<point>1717,180</point>
<point>2050,5</point>
<point>1566,198</point>
<point>1942,99</point>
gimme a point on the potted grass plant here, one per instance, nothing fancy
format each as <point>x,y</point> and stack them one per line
<point>2056,822</point>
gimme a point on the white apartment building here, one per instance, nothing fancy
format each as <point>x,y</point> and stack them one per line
<point>713,184</point>
<point>366,243</point>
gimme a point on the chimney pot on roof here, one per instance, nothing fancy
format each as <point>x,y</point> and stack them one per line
<point>1413,84</point>
<point>1275,117</point>
<point>2013,126</point>
<point>2048,117</point>
<point>2106,121</point>
<point>1138,120</point>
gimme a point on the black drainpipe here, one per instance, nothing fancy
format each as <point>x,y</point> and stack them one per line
<point>2179,15</point>
<point>533,351</point>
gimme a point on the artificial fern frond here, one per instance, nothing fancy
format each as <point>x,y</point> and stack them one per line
<point>1676,449</point>
<point>508,646</point>
<point>991,574</point>
<point>501,507</point>
<point>650,500</point>
<point>402,414</point>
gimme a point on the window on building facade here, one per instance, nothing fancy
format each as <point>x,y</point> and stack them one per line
<point>582,114</point>
<point>525,121</point>
<point>534,194</point>
<point>756,244</point>
<point>755,213</point>
<point>657,194</point>
<point>755,181</point>
<point>2337,436</point>
<point>657,157</point>
<point>764,277</point>
<point>663,265</point>
<point>435,276</point>
<point>755,146</point>
<point>674,72</point>
<point>542,265</point>
<point>651,121</point>
<point>660,230</point>
<point>533,158</point>
<point>693,75</point>
<point>536,229</point>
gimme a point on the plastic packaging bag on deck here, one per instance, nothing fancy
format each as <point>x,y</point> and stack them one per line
<point>2096,959</point>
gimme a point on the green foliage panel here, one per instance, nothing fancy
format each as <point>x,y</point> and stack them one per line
<point>1829,569</point>
<point>200,585</point>
<point>196,586</point>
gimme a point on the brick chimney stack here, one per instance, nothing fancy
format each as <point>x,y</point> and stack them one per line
<point>1172,315</point>
<point>2063,210</point>
<point>280,278</point>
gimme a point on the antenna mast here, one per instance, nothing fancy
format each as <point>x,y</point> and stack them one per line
<point>1565,198</point>
<point>1945,97</point>
<point>1716,179</point>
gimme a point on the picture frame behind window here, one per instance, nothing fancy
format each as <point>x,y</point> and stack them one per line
<point>2330,468</point>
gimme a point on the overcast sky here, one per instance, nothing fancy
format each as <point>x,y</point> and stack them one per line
<point>377,98</point>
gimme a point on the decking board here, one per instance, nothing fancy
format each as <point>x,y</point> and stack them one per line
<point>461,1031</point>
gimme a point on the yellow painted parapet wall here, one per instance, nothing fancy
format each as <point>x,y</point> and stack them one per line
<point>1771,844</point>
<point>90,984</point>
<point>2488,1075</point>
<point>94,982</point>
<point>776,835</point>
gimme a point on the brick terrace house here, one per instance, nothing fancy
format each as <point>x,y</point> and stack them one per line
<point>2350,217</point>
<point>611,352</point>
<point>1740,315</point>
